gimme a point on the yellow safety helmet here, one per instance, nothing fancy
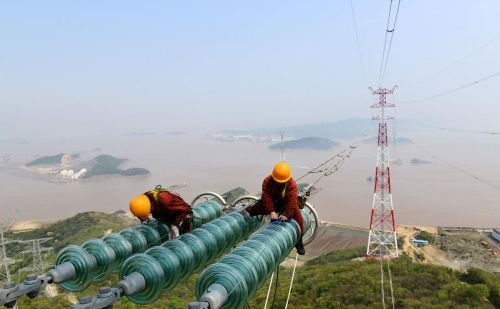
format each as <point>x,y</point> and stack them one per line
<point>140,206</point>
<point>281,172</point>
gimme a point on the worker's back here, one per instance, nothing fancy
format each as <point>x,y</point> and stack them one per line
<point>168,207</point>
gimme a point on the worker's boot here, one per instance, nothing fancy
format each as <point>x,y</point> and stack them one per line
<point>300,247</point>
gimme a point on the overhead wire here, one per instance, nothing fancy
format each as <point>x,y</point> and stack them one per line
<point>453,166</point>
<point>390,43</point>
<point>453,63</point>
<point>390,282</point>
<point>435,96</point>
<point>358,44</point>
<point>389,33</point>
<point>382,292</point>
<point>385,44</point>
<point>460,130</point>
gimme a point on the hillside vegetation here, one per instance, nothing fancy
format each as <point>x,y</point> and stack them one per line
<point>77,229</point>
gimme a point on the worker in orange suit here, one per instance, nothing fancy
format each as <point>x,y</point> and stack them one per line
<point>280,199</point>
<point>165,206</point>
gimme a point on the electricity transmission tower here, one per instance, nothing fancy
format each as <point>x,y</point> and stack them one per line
<point>5,262</point>
<point>382,240</point>
<point>38,265</point>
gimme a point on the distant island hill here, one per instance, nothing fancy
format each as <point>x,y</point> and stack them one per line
<point>398,141</point>
<point>306,143</point>
<point>69,167</point>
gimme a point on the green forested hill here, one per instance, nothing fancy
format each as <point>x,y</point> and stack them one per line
<point>79,228</point>
<point>334,281</point>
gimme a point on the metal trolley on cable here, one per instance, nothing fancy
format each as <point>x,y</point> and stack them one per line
<point>96,259</point>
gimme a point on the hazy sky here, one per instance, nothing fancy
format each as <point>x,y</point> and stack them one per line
<point>69,68</point>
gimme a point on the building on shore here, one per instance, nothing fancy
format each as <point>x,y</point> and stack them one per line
<point>495,234</point>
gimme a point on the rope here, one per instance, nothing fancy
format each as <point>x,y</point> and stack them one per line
<point>291,281</point>
<point>269,290</point>
<point>275,286</point>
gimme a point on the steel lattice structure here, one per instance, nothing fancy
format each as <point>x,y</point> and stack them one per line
<point>382,240</point>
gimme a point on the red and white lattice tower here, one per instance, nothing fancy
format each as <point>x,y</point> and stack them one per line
<point>382,240</point>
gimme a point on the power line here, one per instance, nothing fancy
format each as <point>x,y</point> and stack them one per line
<point>389,31</point>
<point>385,44</point>
<point>456,89</point>
<point>390,43</point>
<point>459,169</point>
<point>453,63</point>
<point>460,130</point>
<point>358,45</point>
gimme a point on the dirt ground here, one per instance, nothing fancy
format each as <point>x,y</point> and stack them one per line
<point>470,249</point>
<point>455,249</point>
<point>333,236</point>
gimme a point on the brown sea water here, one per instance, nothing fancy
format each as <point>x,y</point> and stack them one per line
<point>435,194</point>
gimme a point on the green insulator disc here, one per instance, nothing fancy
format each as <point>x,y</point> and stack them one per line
<point>272,246</point>
<point>170,264</point>
<point>230,234</point>
<point>245,226</point>
<point>162,228</point>
<point>136,239</point>
<point>84,264</point>
<point>219,235</point>
<point>286,231</point>
<point>198,248</point>
<point>209,241</point>
<point>185,256</point>
<point>260,256</point>
<point>229,277</point>
<point>237,231</point>
<point>285,248</point>
<point>247,267</point>
<point>121,246</point>
<point>206,212</point>
<point>307,220</point>
<point>265,254</point>
<point>104,255</point>
<point>151,234</point>
<point>152,272</point>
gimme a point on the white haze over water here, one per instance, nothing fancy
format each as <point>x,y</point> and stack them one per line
<point>429,195</point>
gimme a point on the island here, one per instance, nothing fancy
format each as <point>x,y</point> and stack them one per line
<point>65,167</point>
<point>317,143</point>
<point>419,161</point>
<point>398,141</point>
